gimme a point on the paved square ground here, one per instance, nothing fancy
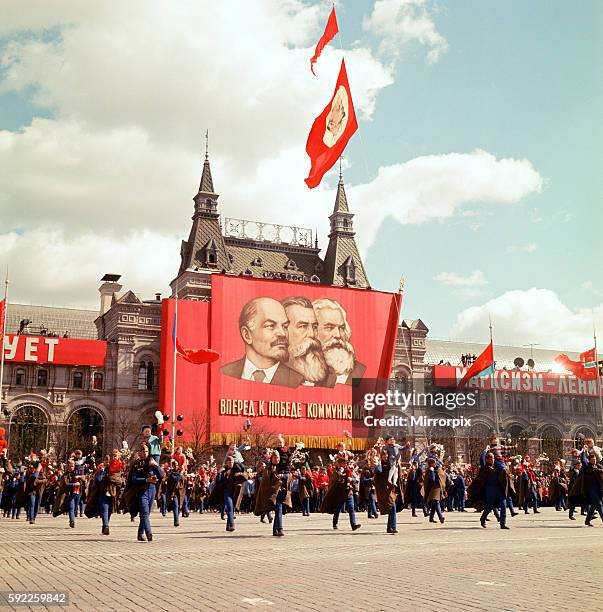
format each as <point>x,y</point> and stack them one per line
<point>545,562</point>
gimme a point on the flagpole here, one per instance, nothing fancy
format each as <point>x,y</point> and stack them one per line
<point>4,317</point>
<point>174,378</point>
<point>597,373</point>
<point>496,428</point>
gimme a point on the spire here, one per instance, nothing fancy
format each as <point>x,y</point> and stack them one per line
<point>343,265</point>
<point>341,200</point>
<point>207,183</point>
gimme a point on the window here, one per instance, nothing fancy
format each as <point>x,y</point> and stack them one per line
<point>142,375</point>
<point>150,376</point>
<point>78,380</point>
<point>541,404</point>
<point>97,381</point>
<point>519,404</point>
<point>20,377</point>
<point>506,401</point>
<point>42,378</point>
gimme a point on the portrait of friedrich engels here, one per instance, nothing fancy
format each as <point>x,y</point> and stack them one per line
<point>295,342</point>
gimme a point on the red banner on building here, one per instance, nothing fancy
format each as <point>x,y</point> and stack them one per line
<point>519,381</point>
<point>289,354</point>
<point>192,380</point>
<point>59,351</point>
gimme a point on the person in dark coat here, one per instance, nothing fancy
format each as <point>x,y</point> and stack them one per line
<point>274,490</point>
<point>230,480</point>
<point>558,490</point>
<point>459,491</point>
<point>414,484</point>
<point>340,492</point>
<point>575,496</point>
<point>175,490</point>
<point>434,488</point>
<point>490,489</point>
<point>387,492</point>
<point>141,490</point>
<point>592,485</point>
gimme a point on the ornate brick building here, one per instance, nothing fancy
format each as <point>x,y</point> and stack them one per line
<point>63,406</point>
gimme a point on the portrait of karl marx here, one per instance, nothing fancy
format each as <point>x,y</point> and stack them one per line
<point>333,333</point>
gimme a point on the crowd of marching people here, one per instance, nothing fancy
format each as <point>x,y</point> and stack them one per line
<point>285,480</point>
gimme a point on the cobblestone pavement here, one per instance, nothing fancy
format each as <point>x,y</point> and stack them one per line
<point>545,562</point>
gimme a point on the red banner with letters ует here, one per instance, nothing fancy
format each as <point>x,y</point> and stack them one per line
<point>59,351</point>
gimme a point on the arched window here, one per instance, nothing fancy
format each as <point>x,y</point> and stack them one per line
<point>506,401</point>
<point>42,378</point>
<point>150,376</point>
<point>589,407</point>
<point>554,405</point>
<point>97,380</point>
<point>20,376</point>
<point>78,380</point>
<point>484,401</point>
<point>541,404</point>
<point>142,375</point>
<point>519,404</point>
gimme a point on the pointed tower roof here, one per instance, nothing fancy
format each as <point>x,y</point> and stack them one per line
<point>341,200</point>
<point>205,247</point>
<point>343,266</point>
<point>207,184</point>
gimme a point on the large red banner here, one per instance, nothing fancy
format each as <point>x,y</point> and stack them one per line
<point>192,380</point>
<point>519,381</point>
<point>60,351</point>
<point>289,354</point>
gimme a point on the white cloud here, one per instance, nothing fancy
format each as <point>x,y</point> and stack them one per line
<point>54,267</point>
<point>452,279</point>
<point>437,186</point>
<point>122,152</point>
<point>522,248</point>
<point>399,22</point>
<point>535,315</point>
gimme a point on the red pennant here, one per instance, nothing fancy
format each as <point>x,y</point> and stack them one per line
<point>585,368</point>
<point>196,356</point>
<point>331,130</point>
<point>330,30</point>
<point>480,366</point>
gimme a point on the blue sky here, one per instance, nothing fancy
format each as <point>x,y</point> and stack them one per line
<point>102,124</point>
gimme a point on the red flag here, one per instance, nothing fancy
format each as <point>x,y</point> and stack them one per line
<point>196,356</point>
<point>330,30</point>
<point>482,366</point>
<point>331,130</point>
<point>586,368</point>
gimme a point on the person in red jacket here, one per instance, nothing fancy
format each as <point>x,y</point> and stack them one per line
<point>3,443</point>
